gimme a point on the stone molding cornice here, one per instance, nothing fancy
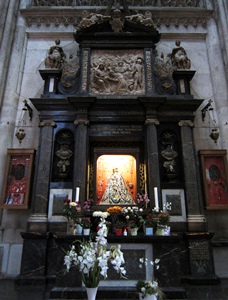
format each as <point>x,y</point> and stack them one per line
<point>56,16</point>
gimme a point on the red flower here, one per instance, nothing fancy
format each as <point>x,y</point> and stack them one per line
<point>66,201</point>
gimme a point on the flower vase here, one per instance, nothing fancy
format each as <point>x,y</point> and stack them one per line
<point>147,297</point>
<point>167,230</point>
<point>160,230</point>
<point>118,231</point>
<point>134,231</point>
<point>70,227</point>
<point>79,229</point>
<point>86,231</point>
<point>149,231</point>
<point>91,293</point>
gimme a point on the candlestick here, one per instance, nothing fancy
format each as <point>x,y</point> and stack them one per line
<point>156,198</point>
<point>77,194</point>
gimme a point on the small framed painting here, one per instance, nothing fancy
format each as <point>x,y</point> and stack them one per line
<point>176,201</point>
<point>215,176</point>
<point>56,202</point>
<point>17,180</point>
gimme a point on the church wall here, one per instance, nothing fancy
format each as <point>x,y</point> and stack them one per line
<point>31,86</point>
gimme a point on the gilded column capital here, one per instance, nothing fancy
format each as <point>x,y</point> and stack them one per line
<point>47,123</point>
<point>186,123</point>
<point>152,122</point>
<point>81,121</point>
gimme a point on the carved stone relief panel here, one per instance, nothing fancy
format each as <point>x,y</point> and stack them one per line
<point>118,72</point>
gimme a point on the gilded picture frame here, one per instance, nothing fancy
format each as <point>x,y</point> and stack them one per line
<point>17,179</point>
<point>215,178</point>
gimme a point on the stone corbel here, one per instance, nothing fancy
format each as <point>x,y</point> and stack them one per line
<point>186,123</point>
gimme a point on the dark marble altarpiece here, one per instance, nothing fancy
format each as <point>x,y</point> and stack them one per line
<point>127,112</point>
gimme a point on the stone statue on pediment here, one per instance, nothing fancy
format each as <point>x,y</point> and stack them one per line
<point>91,19</point>
<point>116,21</point>
<point>179,57</point>
<point>56,56</point>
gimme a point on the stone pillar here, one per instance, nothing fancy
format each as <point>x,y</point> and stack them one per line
<point>80,159</point>
<point>220,14</point>
<point>196,221</point>
<point>217,60</point>
<point>7,39</point>
<point>153,179</point>
<point>9,94</point>
<point>38,221</point>
<point>3,8</point>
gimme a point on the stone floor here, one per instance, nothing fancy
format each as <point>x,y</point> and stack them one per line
<point>11,291</point>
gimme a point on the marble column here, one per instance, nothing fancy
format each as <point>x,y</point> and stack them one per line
<point>38,220</point>
<point>196,220</point>
<point>152,159</point>
<point>221,8</point>
<point>3,8</point>
<point>7,39</point>
<point>218,62</point>
<point>80,159</point>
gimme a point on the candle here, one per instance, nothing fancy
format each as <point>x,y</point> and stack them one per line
<point>156,198</point>
<point>77,194</point>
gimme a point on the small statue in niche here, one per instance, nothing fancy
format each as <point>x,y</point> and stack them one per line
<point>179,57</point>
<point>56,56</point>
<point>116,191</point>
<point>64,153</point>
<point>169,155</point>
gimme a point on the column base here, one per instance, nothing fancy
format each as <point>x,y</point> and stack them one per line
<point>206,280</point>
<point>197,223</point>
<point>37,223</point>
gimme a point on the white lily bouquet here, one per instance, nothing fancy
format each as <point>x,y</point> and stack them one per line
<point>147,288</point>
<point>93,258</point>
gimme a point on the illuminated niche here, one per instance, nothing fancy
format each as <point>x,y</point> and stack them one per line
<point>116,180</point>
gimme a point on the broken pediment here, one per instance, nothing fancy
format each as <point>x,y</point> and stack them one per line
<point>117,26</point>
<point>117,52</point>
